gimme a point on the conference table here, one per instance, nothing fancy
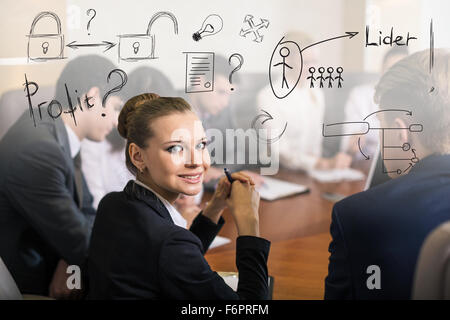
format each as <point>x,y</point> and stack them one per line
<point>298,228</point>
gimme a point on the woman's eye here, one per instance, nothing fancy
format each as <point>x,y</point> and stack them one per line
<point>202,145</point>
<point>175,149</point>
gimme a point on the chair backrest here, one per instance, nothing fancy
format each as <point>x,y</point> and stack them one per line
<point>432,276</point>
<point>8,287</point>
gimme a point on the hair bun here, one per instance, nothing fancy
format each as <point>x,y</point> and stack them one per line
<point>129,108</point>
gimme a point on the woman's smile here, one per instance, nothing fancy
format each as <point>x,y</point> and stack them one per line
<point>192,178</point>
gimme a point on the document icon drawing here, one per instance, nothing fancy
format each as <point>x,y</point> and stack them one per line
<point>199,72</point>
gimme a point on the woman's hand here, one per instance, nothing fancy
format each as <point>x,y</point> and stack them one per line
<point>257,178</point>
<point>218,202</point>
<point>244,205</point>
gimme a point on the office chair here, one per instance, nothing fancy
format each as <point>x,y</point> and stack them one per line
<point>8,287</point>
<point>432,275</point>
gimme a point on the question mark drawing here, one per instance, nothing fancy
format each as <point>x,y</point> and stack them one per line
<point>241,62</point>
<point>123,77</point>
<point>89,22</point>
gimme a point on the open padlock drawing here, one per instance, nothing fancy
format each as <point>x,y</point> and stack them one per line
<point>45,46</point>
<point>136,47</point>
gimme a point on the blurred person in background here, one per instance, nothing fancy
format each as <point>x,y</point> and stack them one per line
<point>46,210</point>
<point>361,103</point>
<point>300,147</point>
<point>215,111</point>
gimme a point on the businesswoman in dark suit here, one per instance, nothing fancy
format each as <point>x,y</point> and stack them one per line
<point>140,248</point>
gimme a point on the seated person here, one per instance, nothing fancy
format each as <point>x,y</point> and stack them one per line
<point>140,247</point>
<point>377,234</point>
<point>360,104</point>
<point>45,205</point>
<point>214,110</point>
<point>300,147</point>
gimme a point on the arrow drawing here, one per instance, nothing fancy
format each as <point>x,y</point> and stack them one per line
<point>254,28</point>
<point>74,45</point>
<point>359,145</point>
<point>267,116</point>
<point>408,113</point>
<point>410,165</point>
<point>347,34</point>
<point>351,128</point>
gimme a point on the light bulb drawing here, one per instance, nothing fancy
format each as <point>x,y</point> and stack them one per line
<point>211,25</point>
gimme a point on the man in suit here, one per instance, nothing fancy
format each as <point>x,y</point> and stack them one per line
<point>377,234</point>
<point>46,212</point>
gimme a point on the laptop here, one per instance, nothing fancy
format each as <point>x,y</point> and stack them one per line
<point>374,178</point>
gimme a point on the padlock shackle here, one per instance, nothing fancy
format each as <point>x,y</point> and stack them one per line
<point>163,14</point>
<point>43,15</point>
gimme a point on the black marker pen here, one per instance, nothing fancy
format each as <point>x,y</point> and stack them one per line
<point>227,173</point>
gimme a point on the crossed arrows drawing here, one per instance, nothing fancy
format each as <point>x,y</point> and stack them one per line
<point>254,28</point>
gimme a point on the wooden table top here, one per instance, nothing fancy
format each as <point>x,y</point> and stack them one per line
<point>298,228</point>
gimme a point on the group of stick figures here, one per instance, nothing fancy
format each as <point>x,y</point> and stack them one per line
<point>330,78</point>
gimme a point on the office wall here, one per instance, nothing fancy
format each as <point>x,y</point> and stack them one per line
<point>321,19</point>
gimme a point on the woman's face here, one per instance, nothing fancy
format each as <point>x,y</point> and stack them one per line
<point>176,157</point>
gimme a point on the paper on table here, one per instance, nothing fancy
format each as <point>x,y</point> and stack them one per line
<point>273,189</point>
<point>219,241</point>
<point>232,280</point>
<point>336,175</point>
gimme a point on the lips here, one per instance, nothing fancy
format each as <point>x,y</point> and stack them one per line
<point>192,178</point>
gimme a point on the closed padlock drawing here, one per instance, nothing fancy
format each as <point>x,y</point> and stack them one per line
<point>45,46</point>
<point>136,47</point>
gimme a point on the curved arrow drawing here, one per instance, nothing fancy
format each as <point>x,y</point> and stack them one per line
<point>408,112</point>
<point>347,34</point>
<point>267,116</point>
<point>360,150</point>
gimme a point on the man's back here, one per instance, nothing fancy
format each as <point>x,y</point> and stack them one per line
<point>386,226</point>
<point>40,221</point>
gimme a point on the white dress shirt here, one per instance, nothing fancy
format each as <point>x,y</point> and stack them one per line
<point>74,142</point>
<point>174,214</point>
<point>301,144</point>
<point>104,169</point>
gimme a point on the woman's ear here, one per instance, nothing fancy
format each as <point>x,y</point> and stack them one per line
<point>403,135</point>
<point>136,156</point>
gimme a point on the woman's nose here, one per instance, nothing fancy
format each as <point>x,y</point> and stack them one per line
<point>196,158</point>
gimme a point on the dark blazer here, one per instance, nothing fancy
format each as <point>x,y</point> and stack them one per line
<point>40,221</point>
<point>137,252</point>
<point>386,226</point>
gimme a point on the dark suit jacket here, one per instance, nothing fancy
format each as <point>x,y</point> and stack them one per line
<point>40,221</point>
<point>137,252</point>
<point>386,226</point>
